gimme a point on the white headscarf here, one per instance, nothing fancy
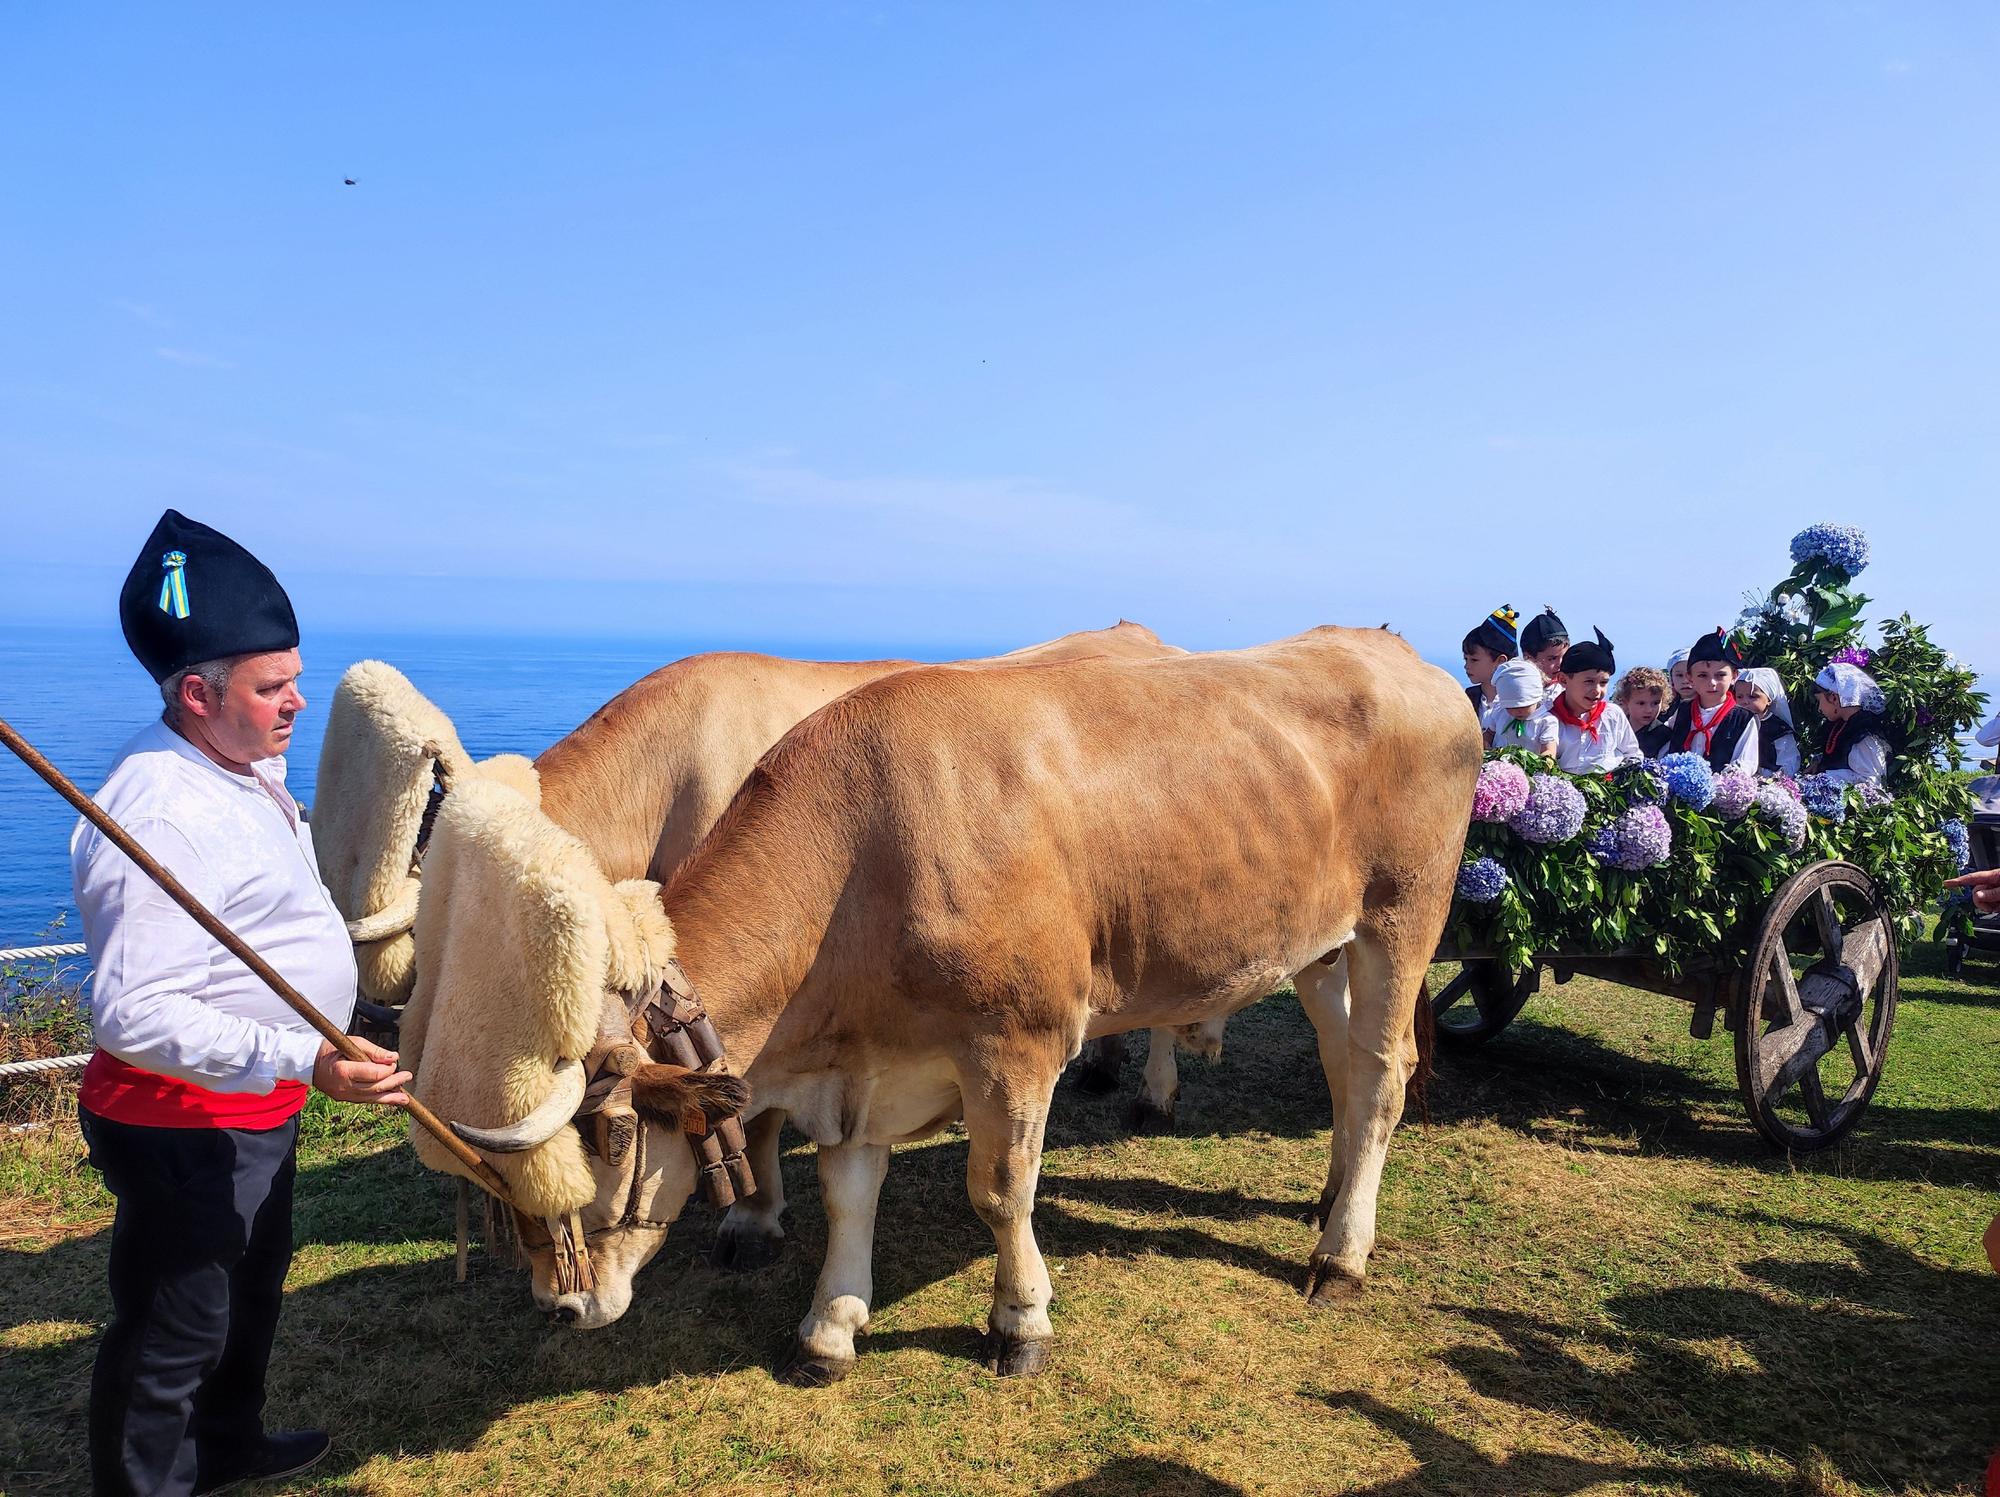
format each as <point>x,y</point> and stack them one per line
<point>1518,683</point>
<point>1679,657</point>
<point>1766,680</point>
<point>1853,685</point>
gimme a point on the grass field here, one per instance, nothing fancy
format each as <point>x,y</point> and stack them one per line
<point>1592,1277</point>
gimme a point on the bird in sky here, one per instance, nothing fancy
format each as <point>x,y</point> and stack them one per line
<point>348,180</point>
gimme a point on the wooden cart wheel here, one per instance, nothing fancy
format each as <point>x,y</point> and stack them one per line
<point>1480,1001</point>
<point>1819,1001</point>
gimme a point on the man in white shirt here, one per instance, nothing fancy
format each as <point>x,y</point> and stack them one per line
<point>190,1104</point>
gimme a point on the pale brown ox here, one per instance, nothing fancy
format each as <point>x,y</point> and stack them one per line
<point>928,896</point>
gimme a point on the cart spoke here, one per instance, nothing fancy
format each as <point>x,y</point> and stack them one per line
<point>1827,916</point>
<point>1787,986</point>
<point>1815,1099</point>
<point>1859,1047</point>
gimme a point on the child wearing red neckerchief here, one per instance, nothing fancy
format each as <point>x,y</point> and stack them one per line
<point>1592,734</point>
<point>1715,725</point>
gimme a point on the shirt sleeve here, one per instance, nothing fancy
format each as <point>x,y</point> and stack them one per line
<point>1787,752</point>
<point>1870,759</point>
<point>1548,734</point>
<point>1620,739</point>
<point>1747,757</point>
<point>1989,736</point>
<point>150,963</point>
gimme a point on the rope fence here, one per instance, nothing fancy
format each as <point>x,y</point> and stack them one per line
<point>54,1065</point>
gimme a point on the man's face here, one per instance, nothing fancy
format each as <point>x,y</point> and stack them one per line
<point>1712,680</point>
<point>1480,664</point>
<point>1642,706</point>
<point>1549,658</point>
<point>1585,689</point>
<point>252,720</point>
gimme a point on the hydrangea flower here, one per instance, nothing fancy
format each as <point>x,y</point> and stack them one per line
<point>1787,784</point>
<point>1961,844</point>
<point>1643,838</point>
<point>1786,812</point>
<point>1824,797</point>
<point>1842,547</point>
<point>1872,795</point>
<point>1501,792</point>
<point>1852,655</point>
<point>1554,812</point>
<point>1735,793</point>
<point>1603,844</point>
<point>1689,778</point>
<point>1481,881</point>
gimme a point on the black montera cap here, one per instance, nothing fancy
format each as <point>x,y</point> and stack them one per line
<point>1543,630</point>
<point>195,595</point>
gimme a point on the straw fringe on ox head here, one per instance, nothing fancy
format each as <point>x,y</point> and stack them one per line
<point>384,742</point>
<point>519,940</point>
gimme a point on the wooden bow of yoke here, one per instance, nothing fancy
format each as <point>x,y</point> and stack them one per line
<point>672,1018</point>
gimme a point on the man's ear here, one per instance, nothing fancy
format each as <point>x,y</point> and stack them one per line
<point>692,1101</point>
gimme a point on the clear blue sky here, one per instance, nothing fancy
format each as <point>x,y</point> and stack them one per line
<point>940,323</point>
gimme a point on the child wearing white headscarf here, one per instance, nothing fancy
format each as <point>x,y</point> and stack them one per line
<point>1857,744</point>
<point>1763,693</point>
<point>1519,716</point>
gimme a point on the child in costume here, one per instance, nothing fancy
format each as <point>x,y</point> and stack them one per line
<point>1857,743</point>
<point>1715,725</point>
<point>1642,696</point>
<point>1592,735</point>
<point>1517,718</point>
<point>1677,677</point>
<point>1543,642</point>
<point>1763,693</point>
<point>1495,642</point>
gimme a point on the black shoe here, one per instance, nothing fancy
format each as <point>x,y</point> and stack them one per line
<point>286,1453</point>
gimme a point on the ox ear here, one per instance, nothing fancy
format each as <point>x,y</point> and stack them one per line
<point>692,1101</point>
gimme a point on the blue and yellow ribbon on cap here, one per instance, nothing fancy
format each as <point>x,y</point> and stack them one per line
<point>173,586</point>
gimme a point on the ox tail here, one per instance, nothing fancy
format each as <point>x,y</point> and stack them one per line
<point>1417,1090</point>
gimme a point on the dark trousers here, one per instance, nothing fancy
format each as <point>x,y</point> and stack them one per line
<point>198,1257</point>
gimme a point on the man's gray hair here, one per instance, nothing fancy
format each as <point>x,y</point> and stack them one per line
<point>214,675</point>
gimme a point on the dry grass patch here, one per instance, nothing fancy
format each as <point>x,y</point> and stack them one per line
<point>1592,1277</point>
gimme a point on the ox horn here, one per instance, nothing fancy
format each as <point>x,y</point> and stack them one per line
<point>539,1126</point>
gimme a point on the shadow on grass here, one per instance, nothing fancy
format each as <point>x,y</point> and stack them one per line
<point>1135,1474</point>
<point>1858,1361</point>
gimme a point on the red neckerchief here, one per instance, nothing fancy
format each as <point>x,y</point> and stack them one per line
<point>1706,729</point>
<point>1588,724</point>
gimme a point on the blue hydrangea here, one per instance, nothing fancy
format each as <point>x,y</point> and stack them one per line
<point>1824,797</point>
<point>1644,838</point>
<point>1961,844</point>
<point>1603,844</point>
<point>1554,812</point>
<point>1481,881</point>
<point>1840,546</point>
<point>1689,778</point>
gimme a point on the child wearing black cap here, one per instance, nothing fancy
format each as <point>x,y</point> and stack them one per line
<point>1715,725</point>
<point>1486,649</point>
<point>1543,642</point>
<point>1592,735</point>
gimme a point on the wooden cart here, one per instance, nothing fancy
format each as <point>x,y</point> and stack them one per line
<point>1811,1008</point>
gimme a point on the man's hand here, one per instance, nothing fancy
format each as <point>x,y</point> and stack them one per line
<point>375,1079</point>
<point>1985,887</point>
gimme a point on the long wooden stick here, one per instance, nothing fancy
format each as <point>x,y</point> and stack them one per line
<point>235,945</point>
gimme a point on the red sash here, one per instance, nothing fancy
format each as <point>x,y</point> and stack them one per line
<point>125,1094</point>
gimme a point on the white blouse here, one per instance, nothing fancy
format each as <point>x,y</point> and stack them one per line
<point>165,996</point>
<point>1615,743</point>
<point>1537,732</point>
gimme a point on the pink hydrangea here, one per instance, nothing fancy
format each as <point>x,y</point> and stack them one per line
<point>1735,793</point>
<point>1501,792</point>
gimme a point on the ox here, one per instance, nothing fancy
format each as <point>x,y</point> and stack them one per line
<point>920,905</point>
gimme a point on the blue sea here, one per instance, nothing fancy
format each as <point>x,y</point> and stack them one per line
<point>77,695</point>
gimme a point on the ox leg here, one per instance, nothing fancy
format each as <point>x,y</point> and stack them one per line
<point>1384,985</point>
<point>1322,989</point>
<point>1103,1060</point>
<point>1003,1165</point>
<point>1152,1111</point>
<point>850,1180</point>
<point>751,1229</point>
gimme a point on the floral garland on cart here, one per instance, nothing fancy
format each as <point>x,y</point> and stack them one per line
<point>1669,860</point>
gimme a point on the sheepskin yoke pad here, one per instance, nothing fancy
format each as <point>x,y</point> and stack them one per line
<point>520,939</point>
<point>385,744</point>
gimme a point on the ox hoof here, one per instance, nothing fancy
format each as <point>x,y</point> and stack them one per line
<point>1013,1356</point>
<point>1147,1116</point>
<point>810,1369</point>
<point>1327,1283</point>
<point>745,1252</point>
